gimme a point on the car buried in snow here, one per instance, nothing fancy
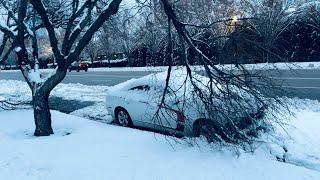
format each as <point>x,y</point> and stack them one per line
<point>136,102</point>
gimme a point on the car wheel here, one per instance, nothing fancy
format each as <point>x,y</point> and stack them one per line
<point>69,70</point>
<point>78,70</point>
<point>206,129</point>
<point>123,118</point>
<point>86,70</point>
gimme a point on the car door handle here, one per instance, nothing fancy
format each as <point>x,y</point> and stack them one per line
<point>144,102</point>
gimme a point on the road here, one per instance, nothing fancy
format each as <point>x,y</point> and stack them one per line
<point>299,83</point>
<point>86,78</point>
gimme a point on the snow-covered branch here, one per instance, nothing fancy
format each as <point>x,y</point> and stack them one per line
<point>106,13</point>
<point>6,30</point>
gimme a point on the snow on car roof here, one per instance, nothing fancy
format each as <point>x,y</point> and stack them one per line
<point>157,81</point>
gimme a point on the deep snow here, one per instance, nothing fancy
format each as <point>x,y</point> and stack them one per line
<point>83,149</point>
<point>100,151</point>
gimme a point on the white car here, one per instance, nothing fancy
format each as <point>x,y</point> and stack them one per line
<point>135,103</point>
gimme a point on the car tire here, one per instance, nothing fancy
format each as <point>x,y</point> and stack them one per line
<point>206,129</point>
<point>86,70</point>
<point>123,118</point>
<point>78,70</point>
<point>69,70</point>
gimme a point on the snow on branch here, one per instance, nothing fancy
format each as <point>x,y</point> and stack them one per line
<point>106,13</point>
<point>7,31</point>
<point>84,21</point>
<point>66,45</point>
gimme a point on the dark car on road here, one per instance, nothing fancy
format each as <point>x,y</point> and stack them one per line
<point>78,66</point>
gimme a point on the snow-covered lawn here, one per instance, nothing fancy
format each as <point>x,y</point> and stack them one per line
<point>297,139</point>
<point>18,91</point>
<point>82,149</point>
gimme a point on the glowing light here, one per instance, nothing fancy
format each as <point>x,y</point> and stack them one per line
<point>234,19</point>
<point>47,51</point>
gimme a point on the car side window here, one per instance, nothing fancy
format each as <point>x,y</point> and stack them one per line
<point>140,88</point>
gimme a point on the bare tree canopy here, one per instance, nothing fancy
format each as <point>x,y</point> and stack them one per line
<point>79,23</point>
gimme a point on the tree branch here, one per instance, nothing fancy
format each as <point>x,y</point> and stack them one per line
<point>41,10</point>
<point>81,25</point>
<point>73,17</point>
<point>104,16</point>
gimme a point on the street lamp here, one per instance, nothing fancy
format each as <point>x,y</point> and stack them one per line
<point>234,19</point>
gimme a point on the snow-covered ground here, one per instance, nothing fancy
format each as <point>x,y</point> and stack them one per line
<point>84,149</point>
<point>19,92</point>
<point>296,140</point>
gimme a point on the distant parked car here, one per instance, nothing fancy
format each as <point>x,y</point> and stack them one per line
<point>78,66</point>
<point>135,102</point>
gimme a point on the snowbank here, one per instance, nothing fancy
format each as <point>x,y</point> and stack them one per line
<point>83,149</point>
<point>297,139</point>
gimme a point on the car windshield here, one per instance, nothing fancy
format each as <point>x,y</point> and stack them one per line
<point>75,64</point>
<point>141,88</point>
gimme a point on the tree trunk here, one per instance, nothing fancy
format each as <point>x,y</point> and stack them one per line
<point>42,116</point>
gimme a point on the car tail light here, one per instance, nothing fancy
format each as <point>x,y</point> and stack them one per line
<point>181,118</point>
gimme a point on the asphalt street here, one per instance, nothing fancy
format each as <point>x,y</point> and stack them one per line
<point>86,78</point>
<point>298,83</point>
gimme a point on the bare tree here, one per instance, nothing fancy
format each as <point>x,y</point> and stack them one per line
<point>8,35</point>
<point>79,30</point>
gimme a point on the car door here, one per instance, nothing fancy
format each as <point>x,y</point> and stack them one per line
<point>168,114</point>
<point>160,115</point>
<point>143,105</point>
<point>138,105</point>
